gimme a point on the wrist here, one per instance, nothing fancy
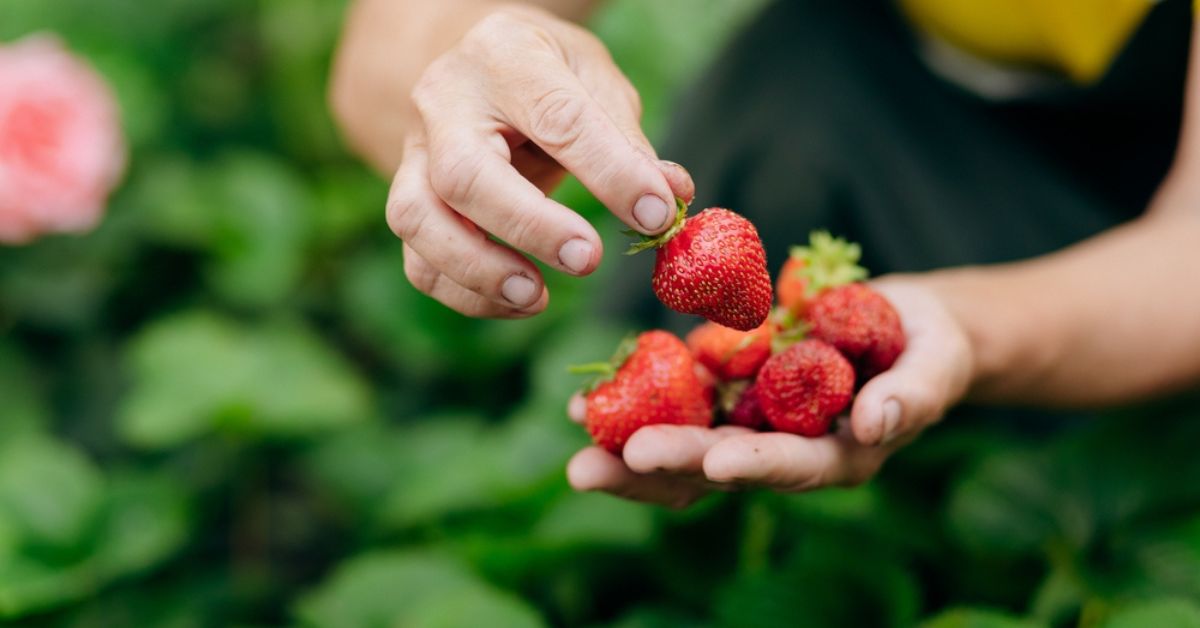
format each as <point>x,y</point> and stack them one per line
<point>1011,345</point>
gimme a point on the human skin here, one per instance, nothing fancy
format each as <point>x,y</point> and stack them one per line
<point>480,108</point>
<point>1110,320</point>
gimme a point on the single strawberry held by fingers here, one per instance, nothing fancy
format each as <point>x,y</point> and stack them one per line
<point>803,388</point>
<point>860,323</point>
<point>651,380</point>
<point>712,265</point>
<point>728,353</point>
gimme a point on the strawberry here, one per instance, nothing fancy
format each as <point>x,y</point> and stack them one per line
<point>747,409</point>
<point>804,387</point>
<point>651,380</point>
<point>826,262</point>
<point>712,265</point>
<point>791,288</point>
<point>860,323</point>
<point>728,353</point>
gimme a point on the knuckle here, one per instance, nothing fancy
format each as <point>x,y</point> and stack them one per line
<point>404,216</point>
<point>431,83</point>
<point>420,274</point>
<point>525,231</point>
<point>556,117</point>
<point>454,175</point>
<point>470,272</point>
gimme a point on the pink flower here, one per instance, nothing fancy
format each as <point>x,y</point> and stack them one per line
<point>61,147</point>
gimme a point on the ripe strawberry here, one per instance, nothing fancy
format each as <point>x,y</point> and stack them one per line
<point>728,353</point>
<point>803,388</point>
<point>861,324</point>
<point>712,265</point>
<point>826,262</point>
<point>747,409</point>
<point>651,380</point>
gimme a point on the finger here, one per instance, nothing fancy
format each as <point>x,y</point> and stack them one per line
<point>594,469</point>
<point>677,449</point>
<point>453,245</point>
<point>679,179</point>
<point>577,408</point>
<point>472,175</point>
<point>623,105</point>
<point>555,111</point>
<point>429,280</point>
<point>787,462</point>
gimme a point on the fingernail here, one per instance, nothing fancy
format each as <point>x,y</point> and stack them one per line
<point>576,255</point>
<point>651,213</point>
<point>519,290</point>
<point>891,420</point>
<point>671,164</point>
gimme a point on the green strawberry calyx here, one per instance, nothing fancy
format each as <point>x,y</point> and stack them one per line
<point>653,242</point>
<point>828,262</point>
<point>605,371</point>
<point>791,330</point>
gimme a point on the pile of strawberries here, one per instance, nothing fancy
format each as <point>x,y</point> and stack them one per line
<point>791,369</point>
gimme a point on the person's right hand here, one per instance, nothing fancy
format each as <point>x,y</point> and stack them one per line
<point>522,98</point>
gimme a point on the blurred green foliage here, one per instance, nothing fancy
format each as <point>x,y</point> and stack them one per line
<point>227,407</point>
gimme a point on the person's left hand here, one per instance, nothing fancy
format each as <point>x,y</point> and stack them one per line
<point>676,465</point>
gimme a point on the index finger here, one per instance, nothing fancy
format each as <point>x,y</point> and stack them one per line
<point>555,111</point>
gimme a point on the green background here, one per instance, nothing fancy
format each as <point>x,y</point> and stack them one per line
<point>227,407</point>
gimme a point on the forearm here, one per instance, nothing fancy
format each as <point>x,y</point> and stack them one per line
<point>386,46</point>
<point>1113,319</point>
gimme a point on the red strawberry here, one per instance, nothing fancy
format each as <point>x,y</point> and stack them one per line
<point>653,380</point>
<point>803,388</point>
<point>712,265</point>
<point>747,410</point>
<point>728,353</point>
<point>861,324</point>
<point>826,262</point>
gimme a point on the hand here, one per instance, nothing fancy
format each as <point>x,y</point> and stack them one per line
<point>522,99</point>
<point>676,465</point>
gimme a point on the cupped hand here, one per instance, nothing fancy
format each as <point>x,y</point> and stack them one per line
<point>522,99</point>
<point>676,465</point>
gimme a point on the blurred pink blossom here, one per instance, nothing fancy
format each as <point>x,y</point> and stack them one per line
<point>61,146</point>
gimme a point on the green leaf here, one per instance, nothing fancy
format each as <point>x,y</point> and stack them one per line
<point>586,519</point>
<point>830,579</point>
<point>1010,504</point>
<point>147,518</point>
<point>401,588</point>
<point>23,408</point>
<point>142,521</point>
<point>977,618</point>
<point>1176,613</point>
<point>264,213</point>
<point>50,493</point>
<point>197,373</point>
<point>657,618</point>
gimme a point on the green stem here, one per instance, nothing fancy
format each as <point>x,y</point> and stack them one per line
<point>654,242</point>
<point>592,368</point>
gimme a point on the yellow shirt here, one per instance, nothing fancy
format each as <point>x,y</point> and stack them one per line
<point>1079,38</point>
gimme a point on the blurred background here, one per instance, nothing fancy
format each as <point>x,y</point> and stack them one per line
<point>226,406</point>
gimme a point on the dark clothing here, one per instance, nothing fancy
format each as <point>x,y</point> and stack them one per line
<point>822,115</point>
